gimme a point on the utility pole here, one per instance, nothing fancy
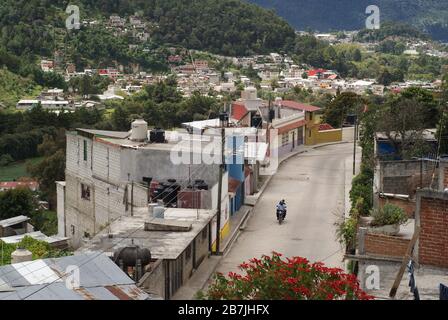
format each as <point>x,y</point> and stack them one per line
<point>221,169</point>
<point>354,144</point>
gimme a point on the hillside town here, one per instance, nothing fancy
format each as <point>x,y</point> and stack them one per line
<point>289,174</point>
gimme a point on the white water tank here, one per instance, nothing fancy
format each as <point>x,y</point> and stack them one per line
<point>159,212</point>
<point>250,93</point>
<point>21,255</point>
<point>139,130</point>
<point>278,101</point>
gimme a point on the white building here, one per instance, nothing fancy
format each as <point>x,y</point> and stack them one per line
<point>46,104</point>
<point>105,174</point>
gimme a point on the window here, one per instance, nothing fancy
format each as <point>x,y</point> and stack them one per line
<point>285,139</point>
<point>72,229</point>
<point>311,116</point>
<point>85,192</point>
<point>205,233</point>
<point>85,149</point>
<point>188,253</point>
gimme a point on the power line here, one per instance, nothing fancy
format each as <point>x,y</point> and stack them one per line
<point>100,253</point>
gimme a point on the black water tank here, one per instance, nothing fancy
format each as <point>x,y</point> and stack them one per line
<point>257,121</point>
<point>200,185</point>
<point>131,254</point>
<point>157,136</point>
<point>224,116</point>
<point>158,193</point>
<point>271,114</point>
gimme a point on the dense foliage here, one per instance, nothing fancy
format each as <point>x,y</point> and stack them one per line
<point>39,249</point>
<point>275,278</point>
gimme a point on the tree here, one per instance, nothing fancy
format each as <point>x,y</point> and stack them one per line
<point>120,119</point>
<point>16,202</point>
<point>357,56</point>
<point>342,105</point>
<point>52,167</point>
<point>274,278</point>
<point>402,122</point>
<point>385,78</point>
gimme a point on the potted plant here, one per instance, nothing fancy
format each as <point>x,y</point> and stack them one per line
<point>387,220</point>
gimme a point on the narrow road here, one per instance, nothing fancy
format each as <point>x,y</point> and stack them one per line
<point>313,185</point>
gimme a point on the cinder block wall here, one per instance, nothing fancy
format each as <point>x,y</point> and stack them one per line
<point>432,216</point>
<point>404,177</point>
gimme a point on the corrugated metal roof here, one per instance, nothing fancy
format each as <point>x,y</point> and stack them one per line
<point>12,221</point>
<point>35,235</point>
<point>100,279</point>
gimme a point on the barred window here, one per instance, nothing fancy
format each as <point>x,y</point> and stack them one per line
<point>85,192</point>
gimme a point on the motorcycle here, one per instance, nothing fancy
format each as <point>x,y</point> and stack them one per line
<point>281,214</point>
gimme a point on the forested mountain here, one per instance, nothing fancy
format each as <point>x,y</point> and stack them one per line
<point>229,27</point>
<point>428,15</point>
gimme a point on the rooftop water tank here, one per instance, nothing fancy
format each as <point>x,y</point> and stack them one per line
<point>130,255</point>
<point>159,212</point>
<point>250,93</point>
<point>21,255</point>
<point>139,131</point>
<point>278,101</point>
<point>157,136</point>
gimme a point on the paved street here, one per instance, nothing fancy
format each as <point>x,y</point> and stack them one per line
<point>313,185</point>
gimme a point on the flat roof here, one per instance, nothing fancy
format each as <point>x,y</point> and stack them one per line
<point>105,133</point>
<point>162,244</point>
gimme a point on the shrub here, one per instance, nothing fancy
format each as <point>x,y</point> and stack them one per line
<point>362,189</point>
<point>274,278</point>
<point>387,215</point>
<point>5,159</point>
<point>346,232</point>
<point>39,249</point>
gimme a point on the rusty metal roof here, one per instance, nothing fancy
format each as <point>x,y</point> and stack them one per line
<point>99,279</point>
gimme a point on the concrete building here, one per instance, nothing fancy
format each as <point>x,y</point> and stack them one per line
<point>106,174</point>
<point>179,242</point>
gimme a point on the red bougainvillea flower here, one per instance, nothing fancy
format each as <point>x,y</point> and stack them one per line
<point>274,278</point>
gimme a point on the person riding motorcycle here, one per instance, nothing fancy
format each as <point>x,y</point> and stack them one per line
<point>281,208</point>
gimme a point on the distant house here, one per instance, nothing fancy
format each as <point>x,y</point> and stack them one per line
<point>47,65</point>
<point>386,150</point>
<point>46,104</point>
<point>9,185</point>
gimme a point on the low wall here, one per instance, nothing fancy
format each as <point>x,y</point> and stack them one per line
<point>385,246</point>
<point>329,136</point>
